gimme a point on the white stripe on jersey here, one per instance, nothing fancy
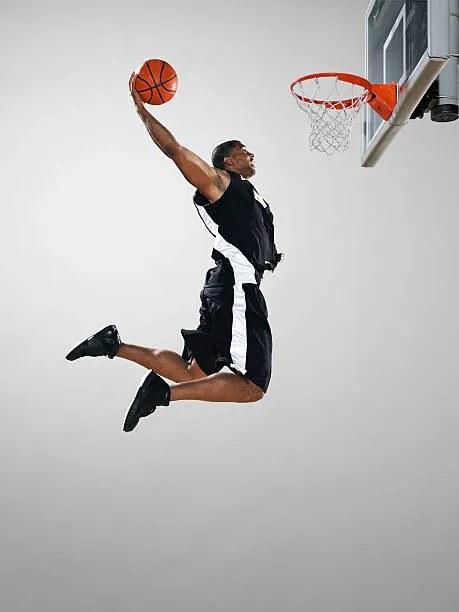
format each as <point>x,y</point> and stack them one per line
<point>209,222</point>
<point>243,270</point>
<point>258,198</point>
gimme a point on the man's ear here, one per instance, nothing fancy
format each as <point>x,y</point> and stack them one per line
<point>228,161</point>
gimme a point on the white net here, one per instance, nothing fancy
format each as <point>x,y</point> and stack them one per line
<point>331,105</point>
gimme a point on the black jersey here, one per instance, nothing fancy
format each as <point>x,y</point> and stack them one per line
<point>242,223</point>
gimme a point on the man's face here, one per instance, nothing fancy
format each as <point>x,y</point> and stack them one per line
<point>241,161</point>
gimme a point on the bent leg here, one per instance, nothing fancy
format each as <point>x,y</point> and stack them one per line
<point>221,387</point>
<point>162,361</point>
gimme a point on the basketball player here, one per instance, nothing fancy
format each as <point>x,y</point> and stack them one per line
<point>233,329</point>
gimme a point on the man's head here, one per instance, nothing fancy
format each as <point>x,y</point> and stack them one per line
<point>233,155</point>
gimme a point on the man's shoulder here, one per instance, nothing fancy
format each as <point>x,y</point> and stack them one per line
<point>226,187</point>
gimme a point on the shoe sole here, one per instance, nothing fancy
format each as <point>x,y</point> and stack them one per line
<point>134,408</point>
<point>74,353</point>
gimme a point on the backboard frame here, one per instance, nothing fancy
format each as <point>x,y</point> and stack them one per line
<point>411,88</point>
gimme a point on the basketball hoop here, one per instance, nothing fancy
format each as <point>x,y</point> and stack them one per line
<point>332,101</point>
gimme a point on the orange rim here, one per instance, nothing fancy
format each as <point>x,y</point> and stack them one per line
<point>341,76</point>
<point>382,97</point>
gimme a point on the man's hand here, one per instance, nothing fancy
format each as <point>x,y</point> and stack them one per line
<point>139,103</point>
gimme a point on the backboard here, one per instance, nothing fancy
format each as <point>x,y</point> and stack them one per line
<point>408,43</point>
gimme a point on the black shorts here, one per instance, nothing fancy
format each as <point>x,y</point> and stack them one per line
<point>233,331</point>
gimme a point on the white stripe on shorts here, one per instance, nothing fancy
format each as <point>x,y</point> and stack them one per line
<point>244,272</point>
<point>238,349</point>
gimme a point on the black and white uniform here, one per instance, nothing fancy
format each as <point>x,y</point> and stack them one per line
<point>234,329</point>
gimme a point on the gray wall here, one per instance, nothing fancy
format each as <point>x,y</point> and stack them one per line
<point>338,492</point>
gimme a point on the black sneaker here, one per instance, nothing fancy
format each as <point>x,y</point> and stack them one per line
<point>153,392</point>
<point>105,342</point>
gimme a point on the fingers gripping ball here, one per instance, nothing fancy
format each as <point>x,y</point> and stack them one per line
<point>156,81</point>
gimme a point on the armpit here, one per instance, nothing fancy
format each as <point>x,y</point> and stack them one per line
<point>219,180</point>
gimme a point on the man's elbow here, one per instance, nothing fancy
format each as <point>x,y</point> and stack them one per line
<point>173,150</point>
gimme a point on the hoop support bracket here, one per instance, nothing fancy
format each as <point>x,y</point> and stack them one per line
<point>384,99</point>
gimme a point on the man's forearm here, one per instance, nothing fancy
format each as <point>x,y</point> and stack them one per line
<point>159,134</point>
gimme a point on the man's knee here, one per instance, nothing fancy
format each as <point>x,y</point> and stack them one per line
<point>255,393</point>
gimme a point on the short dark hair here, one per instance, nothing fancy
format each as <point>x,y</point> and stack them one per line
<point>221,151</point>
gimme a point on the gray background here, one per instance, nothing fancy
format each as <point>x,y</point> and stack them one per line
<point>338,492</point>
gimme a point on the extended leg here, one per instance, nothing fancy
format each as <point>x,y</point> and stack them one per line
<point>163,361</point>
<point>107,342</point>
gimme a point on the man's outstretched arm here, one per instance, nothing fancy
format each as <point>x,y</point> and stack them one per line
<point>211,182</point>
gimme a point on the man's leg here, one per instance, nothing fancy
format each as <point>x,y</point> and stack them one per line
<point>163,361</point>
<point>107,342</point>
<point>220,387</point>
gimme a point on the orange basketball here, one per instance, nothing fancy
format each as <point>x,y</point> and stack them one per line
<point>156,81</point>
